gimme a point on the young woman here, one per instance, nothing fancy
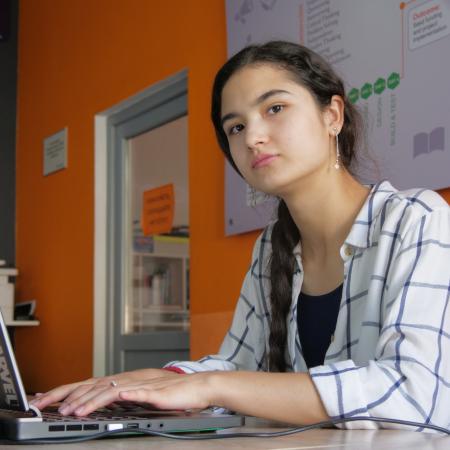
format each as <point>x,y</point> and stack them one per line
<point>344,309</point>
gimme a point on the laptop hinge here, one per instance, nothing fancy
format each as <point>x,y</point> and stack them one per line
<point>36,411</point>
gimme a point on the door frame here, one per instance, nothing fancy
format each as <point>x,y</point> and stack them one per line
<point>112,128</point>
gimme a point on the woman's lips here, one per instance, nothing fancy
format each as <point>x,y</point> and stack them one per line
<point>263,160</point>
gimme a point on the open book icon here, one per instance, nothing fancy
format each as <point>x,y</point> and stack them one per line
<point>428,142</point>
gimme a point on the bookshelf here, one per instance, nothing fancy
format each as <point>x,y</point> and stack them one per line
<point>160,286</point>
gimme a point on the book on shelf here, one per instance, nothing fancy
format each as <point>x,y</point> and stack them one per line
<point>159,283</point>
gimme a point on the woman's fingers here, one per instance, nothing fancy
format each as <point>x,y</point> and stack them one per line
<point>81,391</point>
<point>67,391</point>
<point>96,396</point>
<point>75,395</point>
<point>68,408</point>
<point>55,395</point>
<point>90,403</point>
<point>101,395</point>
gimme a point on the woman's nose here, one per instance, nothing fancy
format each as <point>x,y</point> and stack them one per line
<point>256,135</point>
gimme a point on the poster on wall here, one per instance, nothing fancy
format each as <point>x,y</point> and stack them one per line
<point>158,205</point>
<point>391,57</point>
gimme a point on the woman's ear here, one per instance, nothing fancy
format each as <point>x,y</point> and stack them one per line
<point>334,113</point>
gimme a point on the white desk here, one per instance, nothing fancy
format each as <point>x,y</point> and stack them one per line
<point>327,439</point>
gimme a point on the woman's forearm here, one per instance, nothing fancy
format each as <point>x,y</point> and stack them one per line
<point>286,397</point>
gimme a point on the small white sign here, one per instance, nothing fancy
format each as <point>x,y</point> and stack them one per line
<point>428,22</point>
<point>55,152</point>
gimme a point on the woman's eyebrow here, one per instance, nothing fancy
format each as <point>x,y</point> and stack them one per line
<point>259,100</point>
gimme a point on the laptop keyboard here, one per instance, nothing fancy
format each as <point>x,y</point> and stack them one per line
<point>99,415</point>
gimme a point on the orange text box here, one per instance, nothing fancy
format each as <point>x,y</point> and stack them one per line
<point>157,210</point>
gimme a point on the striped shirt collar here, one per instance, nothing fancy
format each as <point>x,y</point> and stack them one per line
<point>361,233</point>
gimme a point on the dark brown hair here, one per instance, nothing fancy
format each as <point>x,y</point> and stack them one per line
<point>315,74</point>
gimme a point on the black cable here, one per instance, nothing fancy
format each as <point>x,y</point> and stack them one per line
<point>203,437</point>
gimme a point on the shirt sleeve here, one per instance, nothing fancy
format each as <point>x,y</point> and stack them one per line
<point>243,347</point>
<point>409,378</point>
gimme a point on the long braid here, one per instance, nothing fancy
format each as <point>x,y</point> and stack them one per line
<point>285,236</point>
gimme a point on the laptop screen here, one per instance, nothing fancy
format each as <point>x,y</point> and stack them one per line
<point>12,393</point>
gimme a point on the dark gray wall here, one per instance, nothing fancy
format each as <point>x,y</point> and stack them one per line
<point>8,84</point>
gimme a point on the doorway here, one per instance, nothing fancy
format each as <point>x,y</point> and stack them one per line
<point>142,274</point>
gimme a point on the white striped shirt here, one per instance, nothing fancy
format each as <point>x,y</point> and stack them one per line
<point>390,356</point>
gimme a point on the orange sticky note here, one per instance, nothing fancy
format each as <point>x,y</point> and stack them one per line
<point>157,210</point>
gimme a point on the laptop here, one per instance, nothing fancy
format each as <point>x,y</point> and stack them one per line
<point>20,421</point>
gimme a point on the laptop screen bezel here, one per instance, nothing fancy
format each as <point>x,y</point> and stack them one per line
<point>8,353</point>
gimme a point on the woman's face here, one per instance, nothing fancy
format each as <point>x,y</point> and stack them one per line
<point>277,134</point>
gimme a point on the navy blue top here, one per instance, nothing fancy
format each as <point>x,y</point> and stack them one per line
<point>316,319</point>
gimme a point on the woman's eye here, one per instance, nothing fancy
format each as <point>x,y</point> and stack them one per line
<point>236,129</point>
<point>275,109</point>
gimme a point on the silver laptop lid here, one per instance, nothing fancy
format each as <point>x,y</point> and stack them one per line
<point>12,393</point>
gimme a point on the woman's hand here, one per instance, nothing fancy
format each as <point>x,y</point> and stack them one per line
<point>178,392</point>
<point>76,394</point>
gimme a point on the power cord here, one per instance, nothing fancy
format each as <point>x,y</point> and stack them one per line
<point>204,437</point>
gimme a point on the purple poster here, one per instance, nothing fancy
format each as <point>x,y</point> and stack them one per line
<point>393,58</point>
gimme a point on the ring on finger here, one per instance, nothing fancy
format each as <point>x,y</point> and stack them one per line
<point>113,383</point>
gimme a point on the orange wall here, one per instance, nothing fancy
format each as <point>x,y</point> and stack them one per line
<point>77,59</point>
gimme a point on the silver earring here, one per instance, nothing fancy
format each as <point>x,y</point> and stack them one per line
<point>338,155</point>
